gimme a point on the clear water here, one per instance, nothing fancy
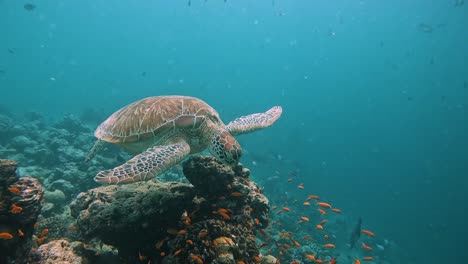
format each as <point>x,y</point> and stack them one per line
<point>374,92</point>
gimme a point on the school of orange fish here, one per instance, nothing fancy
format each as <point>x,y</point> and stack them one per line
<point>15,209</point>
<point>282,243</point>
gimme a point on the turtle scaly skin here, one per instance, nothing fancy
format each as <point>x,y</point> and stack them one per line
<point>163,130</point>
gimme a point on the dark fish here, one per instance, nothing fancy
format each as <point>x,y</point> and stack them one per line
<point>2,71</point>
<point>426,28</point>
<point>459,2</point>
<point>356,233</point>
<point>11,51</point>
<point>29,7</point>
<point>143,74</point>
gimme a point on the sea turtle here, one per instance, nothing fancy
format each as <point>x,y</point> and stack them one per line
<point>165,129</point>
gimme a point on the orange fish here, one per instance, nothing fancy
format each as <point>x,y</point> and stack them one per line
<point>141,257</point>
<point>367,232</point>
<point>44,232</point>
<point>16,209</point>
<point>202,234</point>
<point>6,235</point>
<point>240,262</point>
<point>300,186</point>
<point>40,240</point>
<point>336,210</point>
<point>162,254</point>
<point>333,261</point>
<point>229,186</point>
<point>187,221</point>
<point>356,261</point>
<point>159,244</point>
<point>329,246</point>
<point>319,227</point>
<point>322,211</point>
<point>36,225</point>
<point>303,218</point>
<point>295,262</point>
<point>189,241</point>
<point>182,232</point>
<point>257,222</point>
<point>323,222</point>
<point>318,261</point>
<point>14,190</point>
<point>257,259</point>
<point>225,216</point>
<point>366,247</point>
<point>315,197</point>
<point>286,209</point>
<point>236,194</point>
<point>20,232</point>
<point>368,259</point>
<point>324,205</point>
<point>310,257</point>
<point>297,244</point>
<point>196,258</point>
<point>177,252</point>
<point>306,203</point>
<point>306,237</point>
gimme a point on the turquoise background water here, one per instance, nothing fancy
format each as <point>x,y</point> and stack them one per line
<point>375,108</point>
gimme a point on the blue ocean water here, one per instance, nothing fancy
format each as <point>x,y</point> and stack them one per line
<point>374,93</point>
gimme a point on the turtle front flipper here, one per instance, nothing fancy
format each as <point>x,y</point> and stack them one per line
<point>254,122</point>
<point>142,167</point>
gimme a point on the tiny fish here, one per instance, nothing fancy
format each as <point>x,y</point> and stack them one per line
<point>336,210</point>
<point>367,232</point>
<point>324,205</point>
<point>29,7</point>
<point>366,247</point>
<point>322,211</point>
<point>6,235</point>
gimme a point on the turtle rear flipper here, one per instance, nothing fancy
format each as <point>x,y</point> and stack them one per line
<point>96,147</point>
<point>254,122</point>
<point>152,161</point>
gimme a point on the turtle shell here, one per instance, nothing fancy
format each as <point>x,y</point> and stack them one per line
<point>154,117</point>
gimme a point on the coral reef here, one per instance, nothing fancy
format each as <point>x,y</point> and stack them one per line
<point>20,205</point>
<point>53,153</point>
<point>214,220</point>
<point>64,252</point>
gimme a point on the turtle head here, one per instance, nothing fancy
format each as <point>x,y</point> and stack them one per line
<point>226,148</point>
